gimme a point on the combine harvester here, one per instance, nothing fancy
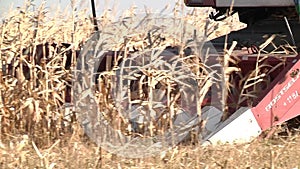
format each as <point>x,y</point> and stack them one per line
<point>281,101</point>
<point>277,104</point>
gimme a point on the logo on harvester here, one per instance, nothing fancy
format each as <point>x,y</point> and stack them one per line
<point>138,92</point>
<point>283,91</point>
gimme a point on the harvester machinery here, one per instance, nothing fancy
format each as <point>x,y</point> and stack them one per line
<point>280,101</point>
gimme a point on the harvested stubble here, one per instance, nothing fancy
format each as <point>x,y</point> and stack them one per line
<point>275,153</point>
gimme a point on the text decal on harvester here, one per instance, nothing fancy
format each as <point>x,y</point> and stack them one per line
<point>282,92</point>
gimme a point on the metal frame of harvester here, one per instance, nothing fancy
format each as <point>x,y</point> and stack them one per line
<point>279,103</point>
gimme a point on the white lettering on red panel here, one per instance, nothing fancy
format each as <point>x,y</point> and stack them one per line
<point>282,92</point>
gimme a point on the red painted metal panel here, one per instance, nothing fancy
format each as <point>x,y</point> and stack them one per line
<point>209,3</point>
<point>283,101</point>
